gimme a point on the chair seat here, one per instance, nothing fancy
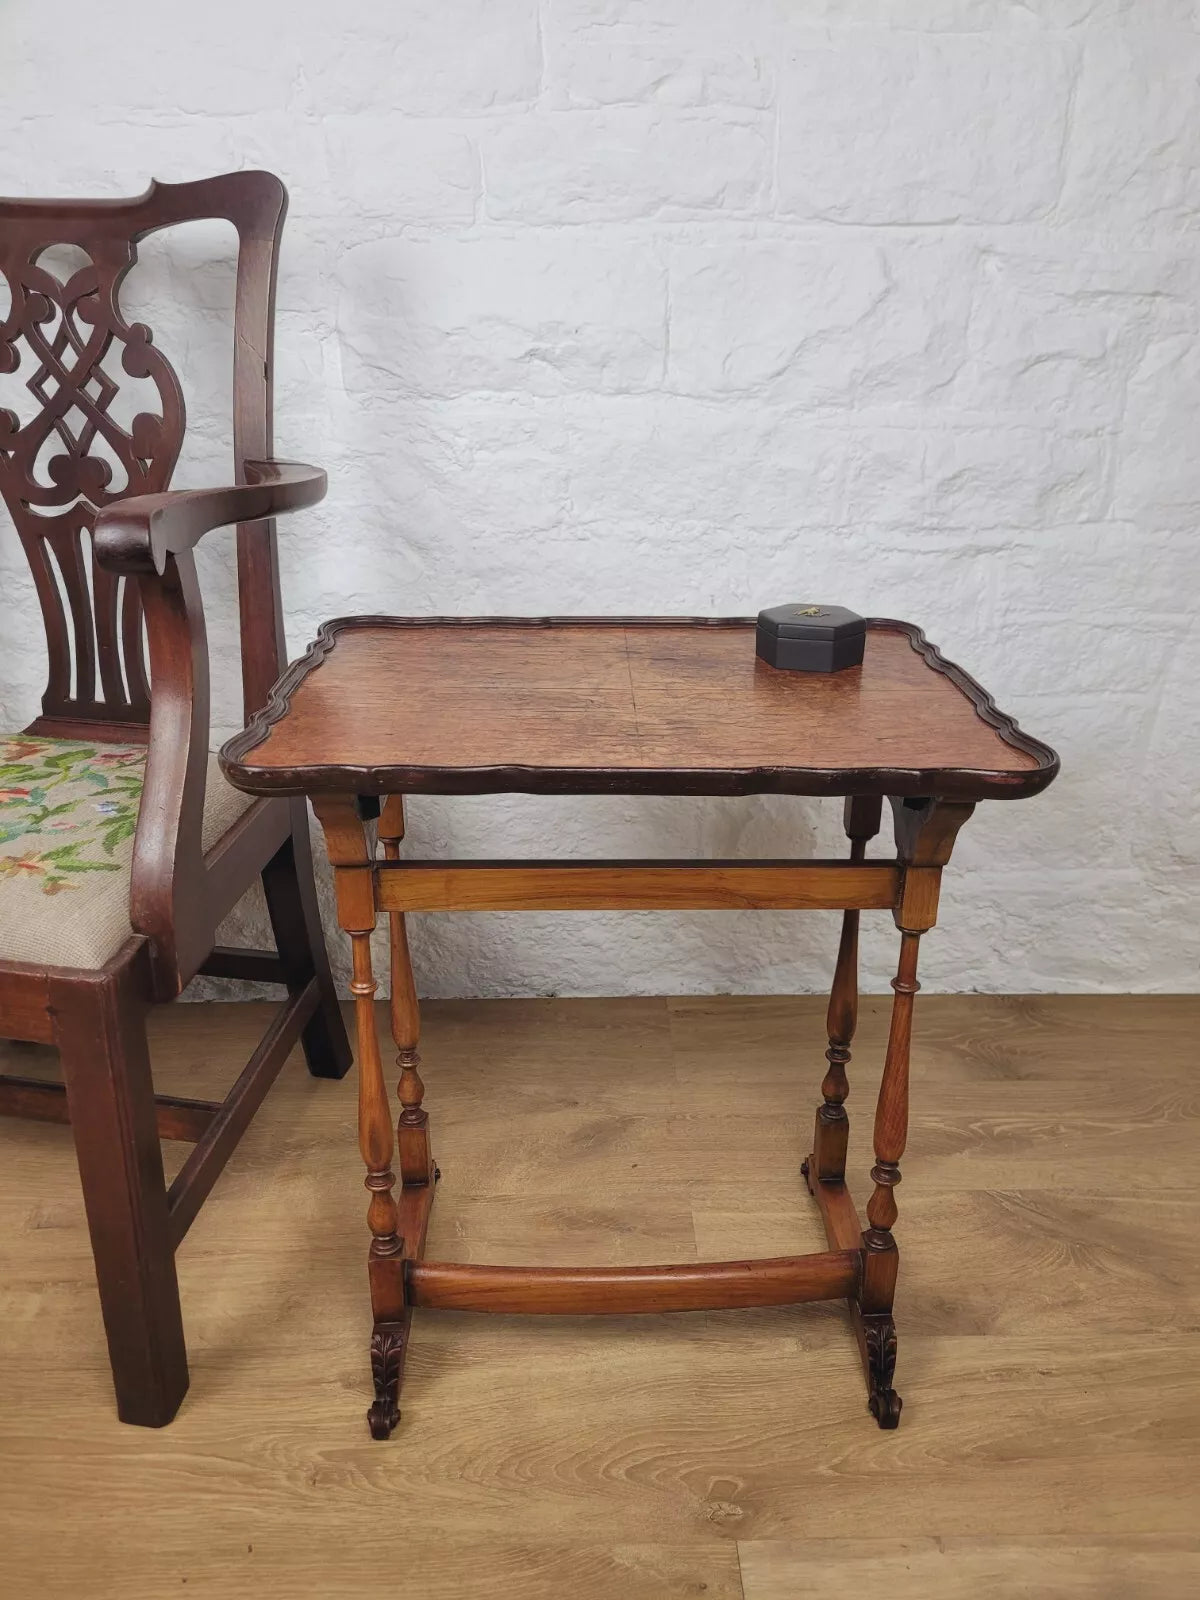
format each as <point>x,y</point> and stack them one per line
<point>68,810</point>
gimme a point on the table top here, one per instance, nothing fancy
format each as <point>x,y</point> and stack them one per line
<point>436,705</point>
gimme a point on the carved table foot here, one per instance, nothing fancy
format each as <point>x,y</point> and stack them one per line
<point>388,1344</point>
<point>880,1336</point>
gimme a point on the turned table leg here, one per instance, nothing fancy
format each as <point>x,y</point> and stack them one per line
<point>880,1258</point>
<point>389,1336</point>
<point>412,1129</point>
<point>827,1164</point>
<point>351,855</point>
<point>925,834</point>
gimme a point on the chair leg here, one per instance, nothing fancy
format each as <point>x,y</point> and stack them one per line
<point>296,922</point>
<point>101,1034</point>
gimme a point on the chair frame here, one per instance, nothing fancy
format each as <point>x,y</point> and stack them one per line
<point>142,570</point>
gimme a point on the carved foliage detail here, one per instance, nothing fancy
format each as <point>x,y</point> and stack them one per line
<point>387,1366</point>
<point>879,1334</point>
<point>881,1349</point>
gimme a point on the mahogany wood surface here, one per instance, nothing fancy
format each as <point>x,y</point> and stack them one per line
<point>25,1003</point>
<point>843,1229</point>
<point>101,1035</point>
<point>838,1212</point>
<point>393,1320</point>
<point>861,817</point>
<point>891,1111</point>
<point>139,535</point>
<point>657,705</point>
<point>592,1291</point>
<point>412,1128</point>
<point>42,1101</point>
<point>413,1210</point>
<point>635,886</point>
<point>228,961</point>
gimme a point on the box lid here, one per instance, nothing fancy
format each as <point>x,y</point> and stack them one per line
<point>803,620</point>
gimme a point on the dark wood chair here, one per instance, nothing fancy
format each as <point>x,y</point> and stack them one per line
<point>121,845</point>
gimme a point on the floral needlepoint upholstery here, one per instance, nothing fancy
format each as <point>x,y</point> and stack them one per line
<point>68,811</point>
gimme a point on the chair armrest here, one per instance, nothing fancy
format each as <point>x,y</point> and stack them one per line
<point>137,535</point>
<point>150,538</point>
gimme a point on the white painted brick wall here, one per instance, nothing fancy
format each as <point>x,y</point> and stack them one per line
<point>683,305</point>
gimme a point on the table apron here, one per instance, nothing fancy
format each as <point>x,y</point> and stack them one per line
<point>637,885</point>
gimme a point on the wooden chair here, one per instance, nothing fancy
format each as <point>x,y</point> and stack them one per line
<point>121,845</point>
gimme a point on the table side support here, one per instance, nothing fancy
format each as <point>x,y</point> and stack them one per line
<point>860,1265</point>
<point>397,1231</point>
<point>843,1229</point>
<point>412,1128</point>
<point>831,1136</point>
<point>881,1259</point>
<point>925,835</point>
<point>374,1114</point>
<point>627,1291</point>
<point>743,885</point>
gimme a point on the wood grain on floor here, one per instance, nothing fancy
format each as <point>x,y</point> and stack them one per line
<point>1049,1317</point>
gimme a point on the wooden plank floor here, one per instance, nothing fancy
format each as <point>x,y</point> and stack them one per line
<point>1049,1312</point>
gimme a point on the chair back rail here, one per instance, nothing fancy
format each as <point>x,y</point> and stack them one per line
<point>60,465</point>
<point>70,345</point>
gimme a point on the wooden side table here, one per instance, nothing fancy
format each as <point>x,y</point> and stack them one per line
<point>388,706</point>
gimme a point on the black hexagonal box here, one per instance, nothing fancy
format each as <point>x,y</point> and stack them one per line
<point>810,638</point>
